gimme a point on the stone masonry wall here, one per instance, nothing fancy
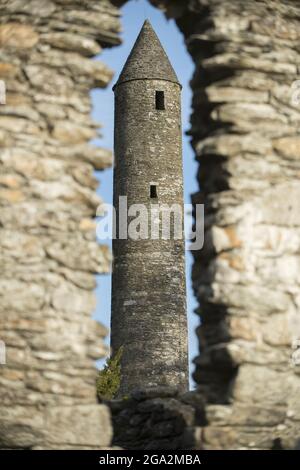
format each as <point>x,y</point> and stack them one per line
<point>158,418</point>
<point>49,254</point>
<point>245,132</point>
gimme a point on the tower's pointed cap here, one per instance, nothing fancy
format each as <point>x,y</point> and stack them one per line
<point>147,59</point>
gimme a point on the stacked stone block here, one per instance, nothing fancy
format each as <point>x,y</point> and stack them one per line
<point>49,254</point>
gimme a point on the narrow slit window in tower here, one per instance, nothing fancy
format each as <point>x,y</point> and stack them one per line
<point>160,100</point>
<point>153,191</point>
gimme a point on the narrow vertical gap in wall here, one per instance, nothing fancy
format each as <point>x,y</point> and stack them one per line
<point>133,16</point>
<point>153,191</point>
<point>160,100</point>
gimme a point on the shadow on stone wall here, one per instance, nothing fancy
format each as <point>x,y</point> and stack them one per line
<point>160,418</point>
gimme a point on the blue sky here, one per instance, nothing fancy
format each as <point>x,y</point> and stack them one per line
<point>134,14</point>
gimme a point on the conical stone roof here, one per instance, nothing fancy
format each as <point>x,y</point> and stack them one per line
<point>147,59</point>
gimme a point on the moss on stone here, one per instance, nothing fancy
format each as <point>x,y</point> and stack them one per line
<point>108,381</point>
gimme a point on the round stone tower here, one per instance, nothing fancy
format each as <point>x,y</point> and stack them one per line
<point>148,281</point>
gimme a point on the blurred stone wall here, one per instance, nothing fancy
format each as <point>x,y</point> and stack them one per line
<point>49,254</point>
